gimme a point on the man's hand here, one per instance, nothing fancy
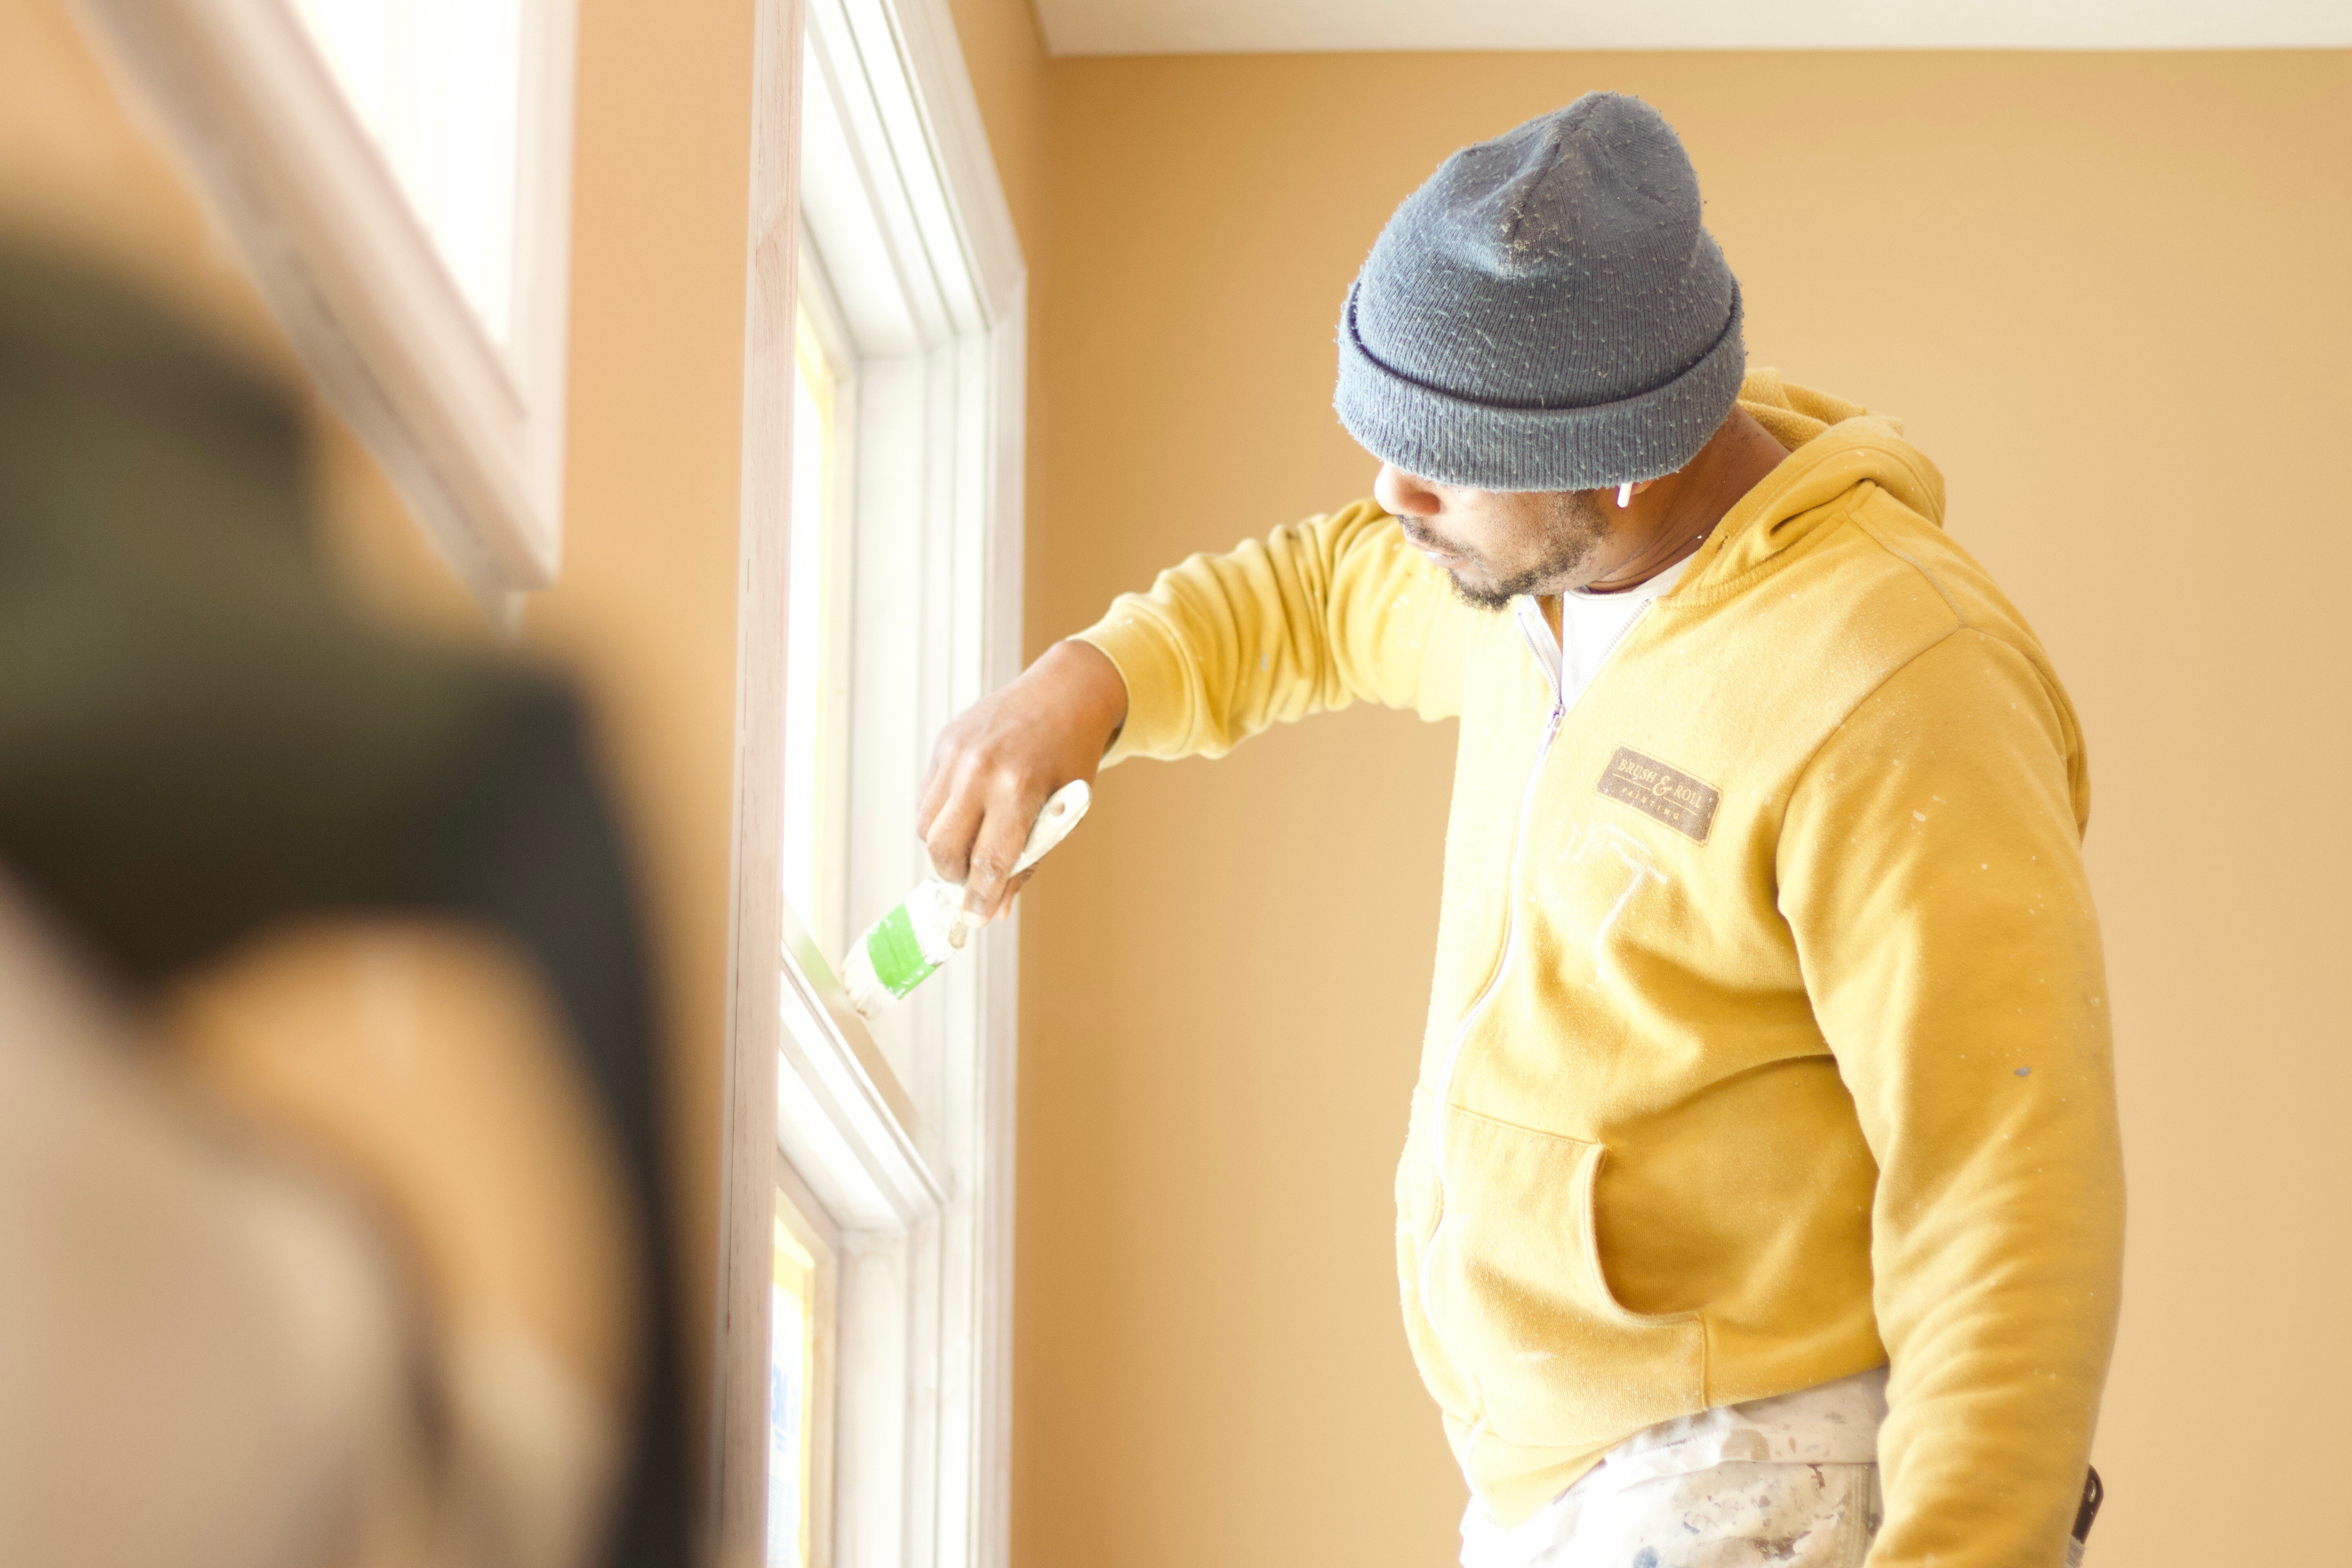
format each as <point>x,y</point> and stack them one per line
<point>996,763</point>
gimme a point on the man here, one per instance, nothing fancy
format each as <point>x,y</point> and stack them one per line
<point>1761,1198</point>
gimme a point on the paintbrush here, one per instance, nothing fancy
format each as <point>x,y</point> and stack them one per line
<point>930,925</point>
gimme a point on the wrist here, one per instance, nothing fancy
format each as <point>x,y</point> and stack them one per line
<point>1099,688</point>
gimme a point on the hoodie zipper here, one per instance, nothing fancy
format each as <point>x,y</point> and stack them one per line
<point>1548,657</point>
<point>1548,654</point>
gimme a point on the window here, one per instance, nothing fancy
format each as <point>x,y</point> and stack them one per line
<point>792,1368</point>
<point>437,86</point>
<point>397,175</point>
<point>882,445</point>
<point>799,1382</point>
<point>817,658</point>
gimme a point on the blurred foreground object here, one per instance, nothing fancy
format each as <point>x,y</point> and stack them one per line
<point>321,937</point>
<point>201,1353</point>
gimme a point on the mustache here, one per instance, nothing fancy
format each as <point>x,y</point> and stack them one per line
<point>1428,541</point>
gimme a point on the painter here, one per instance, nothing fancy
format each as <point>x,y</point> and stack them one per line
<point>1761,1197</point>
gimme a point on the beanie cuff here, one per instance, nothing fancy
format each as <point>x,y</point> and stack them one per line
<point>1452,440</point>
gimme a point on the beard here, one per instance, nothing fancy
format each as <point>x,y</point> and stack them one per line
<point>1575,525</point>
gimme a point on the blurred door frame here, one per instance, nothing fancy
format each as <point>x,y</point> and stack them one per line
<point>452,373</point>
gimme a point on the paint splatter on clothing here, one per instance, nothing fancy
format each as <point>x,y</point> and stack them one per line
<point>1786,1482</point>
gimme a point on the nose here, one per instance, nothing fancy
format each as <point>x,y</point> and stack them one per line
<point>1402,494</point>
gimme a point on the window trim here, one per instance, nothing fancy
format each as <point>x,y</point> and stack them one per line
<point>918,1175</point>
<point>471,432</point>
<point>804,1216</point>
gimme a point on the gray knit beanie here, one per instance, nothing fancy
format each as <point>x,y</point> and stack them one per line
<point>1546,313</point>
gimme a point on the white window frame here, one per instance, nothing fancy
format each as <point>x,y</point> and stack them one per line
<point>805,1217</point>
<point>905,1140</point>
<point>827,917</point>
<point>470,430</point>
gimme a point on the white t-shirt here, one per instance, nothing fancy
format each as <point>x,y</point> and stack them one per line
<point>1592,624</point>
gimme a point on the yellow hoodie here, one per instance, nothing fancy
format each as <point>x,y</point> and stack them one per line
<point>1767,1041</point>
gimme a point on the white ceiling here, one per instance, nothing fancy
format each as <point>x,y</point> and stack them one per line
<point>1238,27</point>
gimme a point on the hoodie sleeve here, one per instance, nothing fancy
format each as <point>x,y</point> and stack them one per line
<point>1930,868</point>
<point>1312,617</point>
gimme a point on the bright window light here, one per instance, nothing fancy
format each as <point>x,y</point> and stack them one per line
<point>438,86</point>
<point>816,668</point>
<point>792,1376</point>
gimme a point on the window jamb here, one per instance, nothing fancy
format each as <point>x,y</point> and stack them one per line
<point>917,1177</point>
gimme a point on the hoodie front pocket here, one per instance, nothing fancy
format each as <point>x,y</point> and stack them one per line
<point>1514,1292</point>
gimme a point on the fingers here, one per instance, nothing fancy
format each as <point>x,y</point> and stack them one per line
<point>1012,805</point>
<point>938,778</point>
<point>1011,892</point>
<point>995,765</point>
<point>953,826</point>
<point>979,814</point>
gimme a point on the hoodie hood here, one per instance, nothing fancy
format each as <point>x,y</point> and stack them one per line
<point>1836,449</point>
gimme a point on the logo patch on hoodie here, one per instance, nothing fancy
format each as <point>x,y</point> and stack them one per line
<point>1651,787</point>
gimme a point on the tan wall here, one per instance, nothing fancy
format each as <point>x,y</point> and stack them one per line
<point>1004,55</point>
<point>2108,294</point>
<point>645,615</point>
<point>645,612</point>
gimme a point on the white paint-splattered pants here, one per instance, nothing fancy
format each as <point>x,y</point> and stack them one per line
<point>1785,1483</point>
<point>1738,1514</point>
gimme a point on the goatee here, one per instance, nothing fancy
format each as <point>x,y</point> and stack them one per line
<point>1576,526</point>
